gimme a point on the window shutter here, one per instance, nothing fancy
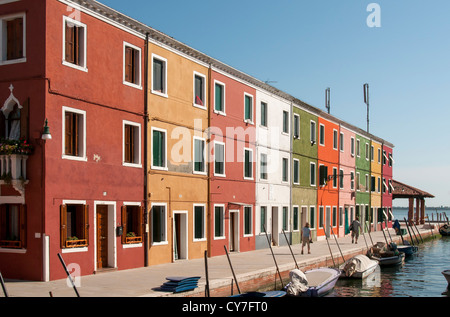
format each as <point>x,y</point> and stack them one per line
<point>124,223</point>
<point>158,75</point>
<point>63,225</point>
<point>23,225</point>
<point>140,222</point>
<point>70,44</point>
<point>127,144</point>
<point>129,65</point>
<point>75,126</point>
<point>85,209</point>
<point>14,39</point>
<point>68,134</point>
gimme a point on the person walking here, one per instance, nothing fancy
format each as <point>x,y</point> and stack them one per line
<point>354,228</point>
<point>306,237</point>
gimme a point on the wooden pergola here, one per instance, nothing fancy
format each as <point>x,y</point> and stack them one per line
<point>405,191</point>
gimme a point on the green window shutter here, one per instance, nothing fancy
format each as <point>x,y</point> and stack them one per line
<point>248,220</point>
<point>296,172</point>
<point>158,149</point>
<point>158,75</point>
<point>218,106</point>
<point>295,218</point>
<point>264,114</point>
<point>248,164</point>
<point>199,219</point>
<point>218,222</point>
<point>263,219</point>
<point>199,147</point>
<point>248,108</point>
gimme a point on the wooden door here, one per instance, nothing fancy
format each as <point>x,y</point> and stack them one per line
<point>102,236</point>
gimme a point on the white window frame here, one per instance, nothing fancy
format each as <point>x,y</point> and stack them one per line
<point>204,223</point>
<point>312,138</point>
<point>251,221</point>
<point>223,222</point>
<point>250,120</point>
<point>204,156</point>
<point>138,67</point>
<point>296,126</point>
<point>358,148</point>
<point>224,155</point>
<point>285,159</point>
<point>205,104</point>
<point>164,60</point>
<point>223,111</point>
<point>252,161</point>
<point>138,151</point>
<point>82,67</point>
<point>285,122</point>
<point>298,171</point>
<point>335,139</point>
<point>266,114</point>
<point>82,157</point>
<point>352,146</point>
<point>299,218</point>
<point>315,174</point>
<point>341,142</point>
<point>321,134</point>
<point>165,241</point>
<point>335,178</point>
<point>3,37</point>
<point>164,168</point>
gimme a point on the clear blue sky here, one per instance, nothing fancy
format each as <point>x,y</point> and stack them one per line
<point>303,47</point>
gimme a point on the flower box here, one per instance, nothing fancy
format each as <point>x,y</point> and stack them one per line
<point>131,240</point>
<point>12,244</point>
<point>76,243</point>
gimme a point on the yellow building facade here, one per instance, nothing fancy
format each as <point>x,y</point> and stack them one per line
<point>177,155</point>
<point>376,183</point>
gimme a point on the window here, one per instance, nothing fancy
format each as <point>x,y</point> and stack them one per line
<point>341,179</point>
<point>219,97</point>
<point>248,164</point>
<point>367,182</point>
<point>312,174</point>
<point>219,221</point>
<point>132,143</point>
<point>320,216</point>
<point>199,90</point>
<point>312,217</point>
<point>296,171</point>
<point>158,225</point>
<point>379,156</point>
<point>74,225</point>
<point>391,187</point>
<point>372,183</point>
<point>199,156</point>
<point>384,157</point>
<point>263,114</point>
<point>248,108</point>
<point>248,220</point>
<point>159,148</point>
<point>341,141</point>
<point>12,123</point>
<point>372,153</point>
<point>263,215</point>
<point>285,218</point>
<point>74,140</point>
<point>313,132</point>
<point>358,181</point>
<point>335,178</point>
<point>132,224</point>
<point>352,180</point>
<point>378,184</point>
<point>132,65</point>
<point>341,216</point>
<point>285,170</point>
<point>295,215</point>
<point>285,122</point>
<point>352,146</point>
<point>335,140</point>
<point>323,175</point>
<point>334,217</point>
<point>358,148</point>
<point>219,159</point>
<point>13,32</point>
<point>322,134</point>
<point>296,126</point>
<point>391,160</point>
<point>199,222</point>
<point>367,151</point>
<point>263,166</point>
<point>159,75</point>
<point>13,229</point>
<point>75,40</point>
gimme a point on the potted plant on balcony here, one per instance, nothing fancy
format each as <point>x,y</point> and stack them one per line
<point>20,147</point>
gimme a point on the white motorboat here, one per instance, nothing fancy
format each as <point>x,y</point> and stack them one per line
<point>312,283</point>
<point>359,266</point>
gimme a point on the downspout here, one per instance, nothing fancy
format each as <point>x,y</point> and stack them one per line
<point>208,225</point>
<point>146,228</point>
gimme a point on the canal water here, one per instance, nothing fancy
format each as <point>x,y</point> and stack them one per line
<point>419,276</point>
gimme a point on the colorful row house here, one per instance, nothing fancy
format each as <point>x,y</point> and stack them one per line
<point>133,149</point>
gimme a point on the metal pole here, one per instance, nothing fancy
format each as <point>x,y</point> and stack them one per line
<point>418,232</point>
<point>366,101</point>
<point>290,249</point>
<point>232,271</point>
<point>273,256</point>
<point>206,274</point>
<point>68,274</point>
<point>329,248</point>
<point>332,231</point>
<point>407,227</point>
<point>3,285</point>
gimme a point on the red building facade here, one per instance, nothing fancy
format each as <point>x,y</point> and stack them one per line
<point>88,180</point>
<point>232,165</point>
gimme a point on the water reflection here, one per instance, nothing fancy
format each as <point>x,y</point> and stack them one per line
<point>420,276</point>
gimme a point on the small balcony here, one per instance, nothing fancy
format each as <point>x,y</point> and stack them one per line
<point>13,163</point>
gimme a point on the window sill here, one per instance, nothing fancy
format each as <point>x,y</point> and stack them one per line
<point>204,107</point>
<point>137,86</point>
<point>161,94</point>
<point>74,158</point>
<point>135,165</point>
<point>17,251</point>
<point>75,250</point>
<point>159,168</point>
<point>220,113</point>
<point>13,61</point>
<point>82,68</point>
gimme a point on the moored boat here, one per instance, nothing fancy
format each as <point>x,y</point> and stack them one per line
<point>359,266</point>
<point>446,273</point>
<point>444,230</point>
<point>407,249</point>
<point>312,283</point>
<point>386,256</point>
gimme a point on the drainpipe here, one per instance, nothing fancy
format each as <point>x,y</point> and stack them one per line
<point>208,224</point>
<point>146,151</point>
